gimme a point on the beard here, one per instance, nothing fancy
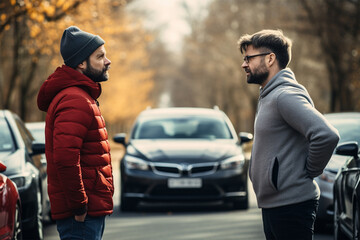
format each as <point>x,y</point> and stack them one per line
<point>258,76</point>
<point>96,75</point>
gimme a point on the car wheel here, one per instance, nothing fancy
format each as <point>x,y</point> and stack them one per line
<point>338,234</point>
<point>36,232</point>
<point>356,224</point>
<point>17,235</point>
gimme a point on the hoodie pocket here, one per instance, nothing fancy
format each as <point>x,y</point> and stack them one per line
<point>274,173</point>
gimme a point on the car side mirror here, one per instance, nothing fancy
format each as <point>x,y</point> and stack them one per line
<point>2,167</point>
<point>37,148</point>
<point>245,137</point>
<point>120,138</point>
<point>348,149</point>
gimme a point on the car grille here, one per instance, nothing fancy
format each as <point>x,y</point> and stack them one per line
<point>206,191</point>
<point>180,170</point>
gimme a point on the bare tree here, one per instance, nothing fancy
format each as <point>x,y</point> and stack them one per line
<point>337,26</point>
<point>212,62</point>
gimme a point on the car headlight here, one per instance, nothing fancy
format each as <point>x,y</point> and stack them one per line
<point>233,162</point>
<point>135,163</point>
<point>131,150</point>
<point>22,180</point>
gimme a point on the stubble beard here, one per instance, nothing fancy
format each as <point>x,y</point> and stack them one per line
<point>96,75</point>
<point>258,76</point>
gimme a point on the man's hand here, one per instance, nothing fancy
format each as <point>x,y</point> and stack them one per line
<point>80,218</point>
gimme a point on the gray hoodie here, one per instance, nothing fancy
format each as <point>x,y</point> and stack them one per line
<point>293,142</point>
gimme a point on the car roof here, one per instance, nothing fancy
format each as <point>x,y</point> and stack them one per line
<point>342,115</point>
<point>31,125</point>
<point>4,112</point>
<point>181,111</point>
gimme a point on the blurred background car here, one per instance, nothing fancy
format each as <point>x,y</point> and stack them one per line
<point>37,130</point>
<point>347,194</point>
<point>10,207</point>
<point>183,154</point>
<point>348,125</point>
<point>22,156</point>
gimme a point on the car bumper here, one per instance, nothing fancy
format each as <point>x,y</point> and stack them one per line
<point>227,185</point>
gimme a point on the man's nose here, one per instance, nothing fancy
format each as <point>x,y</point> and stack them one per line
<point>244,65</point>
<point>107,61</point>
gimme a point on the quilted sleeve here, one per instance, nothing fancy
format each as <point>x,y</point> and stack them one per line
<point>73,116</point>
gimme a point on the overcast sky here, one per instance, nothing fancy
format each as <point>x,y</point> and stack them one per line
<point>169,15</point>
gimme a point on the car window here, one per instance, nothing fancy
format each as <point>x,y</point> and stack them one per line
<point>24,132</point>
<point>182,127</point>
<point>6,140</point>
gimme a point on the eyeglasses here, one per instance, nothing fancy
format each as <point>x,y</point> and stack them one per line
<point>247,58</point>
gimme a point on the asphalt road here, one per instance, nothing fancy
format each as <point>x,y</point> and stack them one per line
<point>191,222</point>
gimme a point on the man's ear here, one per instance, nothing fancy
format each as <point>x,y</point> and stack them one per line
<point>81,67</point>
<point>271,59</point>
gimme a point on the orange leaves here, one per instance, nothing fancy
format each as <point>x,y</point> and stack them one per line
<point>48,9</point>
<point>3,17</point>
<point>34,31</point>
<point>36,16</point>
<point>43,22</point>
<point>125,96</point>
<point>131,80</point>
<point>60,3</point>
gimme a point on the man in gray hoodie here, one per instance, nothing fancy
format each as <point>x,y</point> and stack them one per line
<point>293,142</point>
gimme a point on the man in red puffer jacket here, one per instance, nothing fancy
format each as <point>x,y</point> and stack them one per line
<point>80,181</point>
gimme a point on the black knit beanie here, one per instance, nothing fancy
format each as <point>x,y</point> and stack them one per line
<point>77,45</point>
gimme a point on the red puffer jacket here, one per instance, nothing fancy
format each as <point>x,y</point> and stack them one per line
<point>77,148</point>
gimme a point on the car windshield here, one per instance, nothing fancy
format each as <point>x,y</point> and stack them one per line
<point>349,129</point>
<point>182,127</point>
<point>6,142</point>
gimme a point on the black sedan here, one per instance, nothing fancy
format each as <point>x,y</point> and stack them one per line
<point>348,125</point>
<point>183,154</point>
<point>37,130</point>
<point>347,194</point>
<point>22,156</point>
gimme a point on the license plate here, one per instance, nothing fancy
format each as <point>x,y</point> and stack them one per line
<point>184,182</point>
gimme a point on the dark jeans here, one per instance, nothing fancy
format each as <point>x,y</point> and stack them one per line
<point>295,222</point>
<point>91,229</point>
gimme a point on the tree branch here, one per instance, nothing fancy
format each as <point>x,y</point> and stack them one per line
<point>62,13</point>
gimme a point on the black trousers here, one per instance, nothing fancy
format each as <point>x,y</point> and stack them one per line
<point>295,222</point>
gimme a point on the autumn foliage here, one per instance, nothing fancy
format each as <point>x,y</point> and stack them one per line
<point>30,33</point>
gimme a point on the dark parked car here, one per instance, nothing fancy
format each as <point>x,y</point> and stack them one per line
<point>348,125</point>
<point>22,156</point>
<point>10,207</point>
<point>347,194</point>
<point>183,154</point>
<point>37,130</point>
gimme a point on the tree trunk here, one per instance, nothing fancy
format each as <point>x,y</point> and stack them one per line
<point>15,65</point>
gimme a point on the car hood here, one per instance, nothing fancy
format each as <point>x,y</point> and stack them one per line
<point>14,161</point>
<point>336,162</point>
<point>185,150</point>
